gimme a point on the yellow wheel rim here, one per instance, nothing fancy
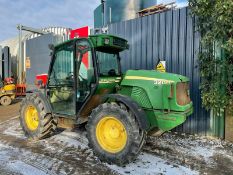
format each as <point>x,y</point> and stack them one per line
<point>111,134</point>
<point>32,118</point>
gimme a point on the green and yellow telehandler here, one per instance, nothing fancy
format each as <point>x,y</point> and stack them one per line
<point>85,85</point>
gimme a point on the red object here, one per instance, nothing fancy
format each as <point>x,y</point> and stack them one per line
<point>85,60</point>
<point>43,78</point>
<point>20,90</point>
<point>82,32</point>
<point>9,80</point>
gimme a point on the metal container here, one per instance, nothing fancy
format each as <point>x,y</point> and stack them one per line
<point>37,51</point>
<point>13,44</point>
<point>147,3</point>
<point>98,15</point>
<point>7,63</point>
<point>115,11</point>
<point>112,11</point>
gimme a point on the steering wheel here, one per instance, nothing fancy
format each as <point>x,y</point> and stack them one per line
<point>70,76</point>
<point>112,72</point>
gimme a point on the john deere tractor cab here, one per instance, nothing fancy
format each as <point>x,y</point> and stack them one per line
<point>85,84</point>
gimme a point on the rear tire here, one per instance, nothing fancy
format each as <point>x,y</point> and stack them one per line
<point>36,122</point>
<point>106,149</point>
<point>6,100</point>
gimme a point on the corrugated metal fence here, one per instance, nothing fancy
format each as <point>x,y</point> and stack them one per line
<point>169,36</point>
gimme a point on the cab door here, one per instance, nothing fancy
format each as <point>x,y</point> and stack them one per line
<point>61,82</point>
<point>85,72</point>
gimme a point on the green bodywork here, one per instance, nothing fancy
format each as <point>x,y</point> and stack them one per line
<point>153,91</point>
<point>144,87</point>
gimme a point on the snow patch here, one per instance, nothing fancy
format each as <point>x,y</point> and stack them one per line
<point>150,164</point>
<point>206,153</point>
<point>23,168</point>
<point>70,139</point>
<point>14,129</point>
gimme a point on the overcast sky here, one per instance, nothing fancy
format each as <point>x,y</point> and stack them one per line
<point>45,13</point>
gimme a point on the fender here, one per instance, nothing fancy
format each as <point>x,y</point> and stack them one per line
<point>133,106</point>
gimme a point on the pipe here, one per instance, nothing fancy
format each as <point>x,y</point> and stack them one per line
<point>20,54</point>
<point>110,15</point>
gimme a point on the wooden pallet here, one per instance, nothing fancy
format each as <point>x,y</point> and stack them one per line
<point>156,9</point>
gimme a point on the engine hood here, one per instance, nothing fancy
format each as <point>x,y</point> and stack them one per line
<point>154,76</point>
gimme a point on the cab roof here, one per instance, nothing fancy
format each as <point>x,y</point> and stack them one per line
<point>103,43</point>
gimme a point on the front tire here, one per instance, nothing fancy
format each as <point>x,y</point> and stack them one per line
<point>5,100</point>
<point>114,134</point>
<point>36,122</point>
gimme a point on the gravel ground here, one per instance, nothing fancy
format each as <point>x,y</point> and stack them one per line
<point>7,112</point>
<point>67,153</point>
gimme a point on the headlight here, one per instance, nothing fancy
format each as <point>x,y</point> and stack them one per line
<point>182,93</point>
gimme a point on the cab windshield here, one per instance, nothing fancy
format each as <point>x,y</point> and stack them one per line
<point>108,64</point>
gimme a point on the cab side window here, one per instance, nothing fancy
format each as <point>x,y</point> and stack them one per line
<point>85,69</point>
<point>62,72</point>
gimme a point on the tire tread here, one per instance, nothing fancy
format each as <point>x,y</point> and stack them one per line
<point>138,136</point>
<point>48,124</point>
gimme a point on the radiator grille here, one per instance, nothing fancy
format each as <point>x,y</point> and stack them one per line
<point>141,97</point>
<point>182,93</point>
